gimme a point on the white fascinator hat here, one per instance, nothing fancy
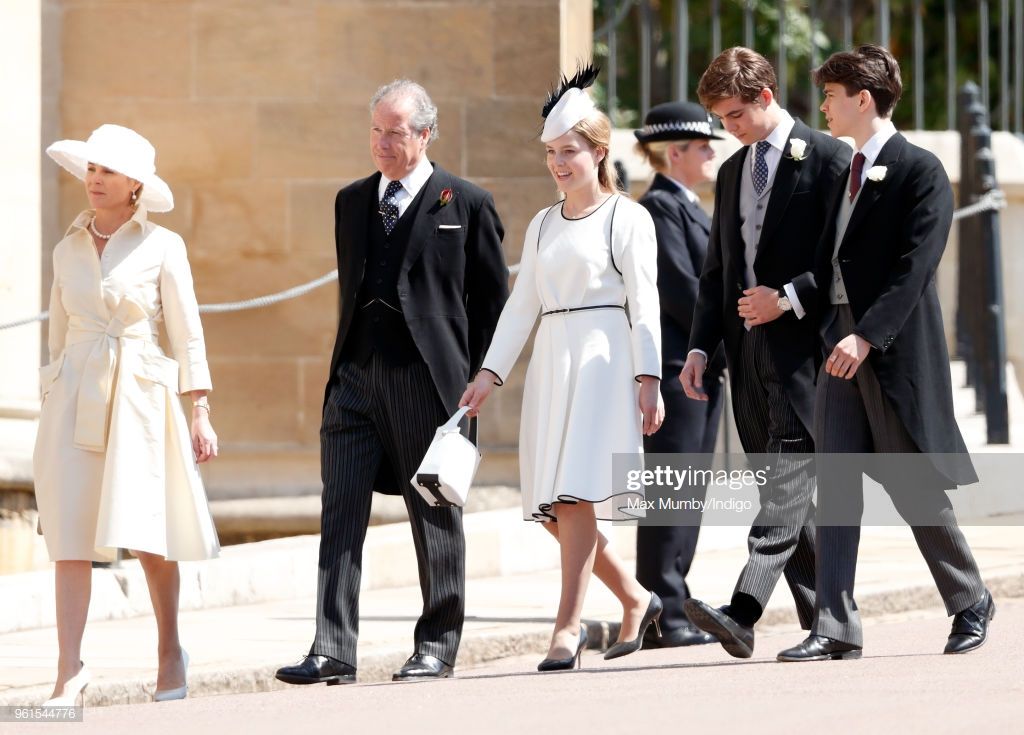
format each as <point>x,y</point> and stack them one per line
<point>119,149</point>
<point>568,103</point>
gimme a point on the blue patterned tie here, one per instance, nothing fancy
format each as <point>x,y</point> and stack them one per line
<point>389,207</point>
<point>760,166</point>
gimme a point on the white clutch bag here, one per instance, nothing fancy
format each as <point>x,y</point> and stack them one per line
<point>447,469</point>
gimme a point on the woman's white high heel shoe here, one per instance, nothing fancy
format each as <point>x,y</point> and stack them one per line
<point>166,695</point>
<point>72,690</point>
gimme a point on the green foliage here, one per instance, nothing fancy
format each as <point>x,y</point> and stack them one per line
<point>806,44</point>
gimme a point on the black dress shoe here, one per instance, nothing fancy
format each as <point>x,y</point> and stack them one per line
<point>421,666</point>
<point>316,669</point>
<point>820,648</point>
<point>970,626</point>
<point>565,664</point>
<point>653,613</point>
<point>737,639</point>
<point>686,634</point>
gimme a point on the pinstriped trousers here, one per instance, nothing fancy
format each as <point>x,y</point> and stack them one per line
<point>664,553</point>
<point>767,423</point>
<point>384,413</point>
<point>855,416</point>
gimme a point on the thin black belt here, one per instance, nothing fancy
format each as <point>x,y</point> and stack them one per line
<point>583,308</point>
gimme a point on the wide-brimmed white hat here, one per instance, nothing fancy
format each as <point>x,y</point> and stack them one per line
<point>119,149</point>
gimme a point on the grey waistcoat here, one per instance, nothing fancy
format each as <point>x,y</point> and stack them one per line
<point>752,211</point>
<point>837,289</point>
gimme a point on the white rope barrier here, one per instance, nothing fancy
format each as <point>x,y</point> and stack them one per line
<point>37,318</point>
<point>995,200</point>
<point>261,301</point>
<point>992,200</point>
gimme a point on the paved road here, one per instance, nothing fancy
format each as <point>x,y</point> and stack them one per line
<point>903,684</point>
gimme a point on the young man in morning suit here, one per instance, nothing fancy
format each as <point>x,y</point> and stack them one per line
<point>884,384</point>
<point>423,280</point>
<point>675,141</point>
<point>771,200</point>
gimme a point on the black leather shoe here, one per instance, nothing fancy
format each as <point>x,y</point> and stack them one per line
<point>315,669</point>
<point>421,666</point>
<point>970,626</point>
<point>653,613</point>
<point>686,634</point>
<point>737,639</point>
<point>820,648</point>
<point>564,664</point>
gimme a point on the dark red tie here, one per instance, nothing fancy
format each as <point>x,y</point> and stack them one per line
<point>856,170</point>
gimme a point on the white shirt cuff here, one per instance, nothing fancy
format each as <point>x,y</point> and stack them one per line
<point>699,352</point>
<point>794,300</point>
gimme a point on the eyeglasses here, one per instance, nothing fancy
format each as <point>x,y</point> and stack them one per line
<point>393,135</point>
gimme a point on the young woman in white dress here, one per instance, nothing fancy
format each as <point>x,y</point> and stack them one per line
<point>115,465</point>
<point>592,387</point>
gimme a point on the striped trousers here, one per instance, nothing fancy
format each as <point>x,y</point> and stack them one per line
<point>664,553</point>
<point>767,424</point>
<point>855,416</point>
<point>384,413</point>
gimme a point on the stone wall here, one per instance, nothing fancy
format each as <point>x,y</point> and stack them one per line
<point>258,111</point>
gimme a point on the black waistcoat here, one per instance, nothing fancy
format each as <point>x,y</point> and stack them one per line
<point>379,328</point>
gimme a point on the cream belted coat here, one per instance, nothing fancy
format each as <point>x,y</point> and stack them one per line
<point>113,461</point>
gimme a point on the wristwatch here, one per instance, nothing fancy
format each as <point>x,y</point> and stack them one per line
<point>783,303</point>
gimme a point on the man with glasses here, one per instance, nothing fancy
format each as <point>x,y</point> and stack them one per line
<point>771,201</point>
<point>423,280</point>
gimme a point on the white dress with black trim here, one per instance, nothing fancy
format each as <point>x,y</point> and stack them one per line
<point>580,402</point>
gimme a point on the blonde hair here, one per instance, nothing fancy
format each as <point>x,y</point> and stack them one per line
<point>596,129</point>
<point>656,152</point>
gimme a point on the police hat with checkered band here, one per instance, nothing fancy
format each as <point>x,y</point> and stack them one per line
<point>676,121</point>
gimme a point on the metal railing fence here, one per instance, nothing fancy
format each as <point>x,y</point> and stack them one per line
<point>656,50</point>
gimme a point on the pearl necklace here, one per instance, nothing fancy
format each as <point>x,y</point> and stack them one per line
<point>97,233</point>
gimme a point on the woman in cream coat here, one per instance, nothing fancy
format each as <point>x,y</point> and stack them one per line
<point>115,464</point>
<point>592,387</point>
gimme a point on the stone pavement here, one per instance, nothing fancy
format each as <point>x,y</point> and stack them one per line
<point>252,610</point>
<point>903,684</point>
<point>236,642</point>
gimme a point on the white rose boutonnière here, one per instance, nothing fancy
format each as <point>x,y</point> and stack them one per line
<point>876,173</point>
<point>797,149</point>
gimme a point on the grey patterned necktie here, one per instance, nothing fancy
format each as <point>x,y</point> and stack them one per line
<point>760,166</point>
<point>389,207</point>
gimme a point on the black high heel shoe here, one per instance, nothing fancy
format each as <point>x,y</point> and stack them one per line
<point>564,664</point>
<point>653,614</point>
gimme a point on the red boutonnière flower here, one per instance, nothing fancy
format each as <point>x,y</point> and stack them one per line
<point>446,197</point>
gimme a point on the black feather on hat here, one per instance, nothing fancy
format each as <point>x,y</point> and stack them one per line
<point>585,76</point>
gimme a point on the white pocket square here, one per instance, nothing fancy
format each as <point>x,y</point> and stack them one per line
<point>449,227</point>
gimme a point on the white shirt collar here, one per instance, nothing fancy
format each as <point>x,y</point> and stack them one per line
<point>687,192</point>
<point>411,182</point>
<point>876,142</point>
<point>780,136</point>
<point>140,216</point>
